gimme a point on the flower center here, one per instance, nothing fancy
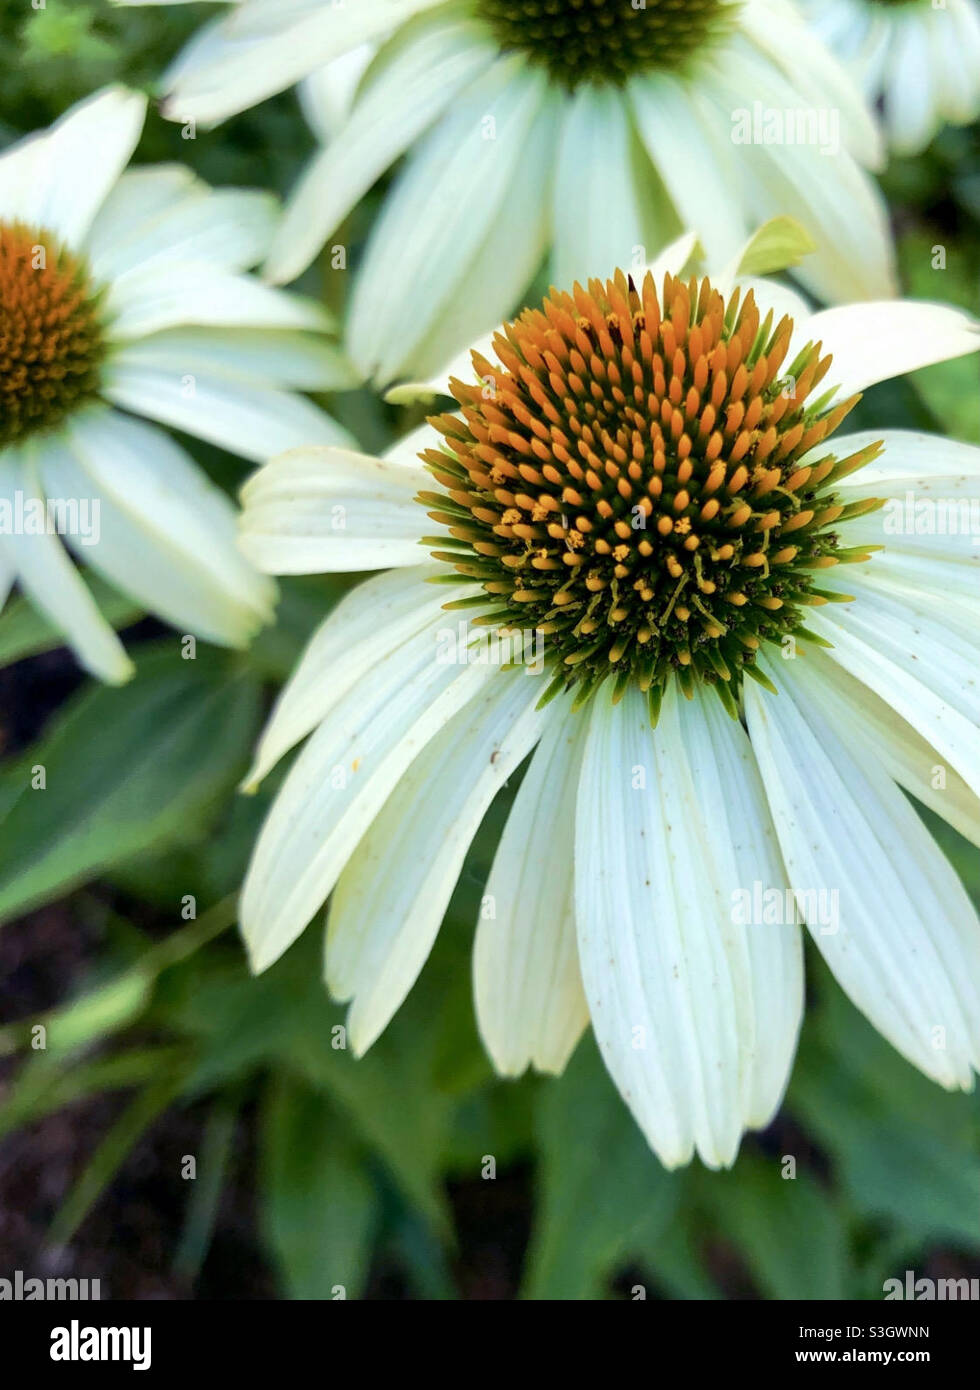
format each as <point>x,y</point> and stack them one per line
<point>630,482</point>
<point>51,342</point>
<point>604,40</point>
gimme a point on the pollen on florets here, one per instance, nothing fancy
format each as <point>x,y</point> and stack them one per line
<point>606,41</point>
<point>51,341</point>
<point>628,479</point>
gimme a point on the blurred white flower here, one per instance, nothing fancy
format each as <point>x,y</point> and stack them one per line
<point>921,58</point>
<point>641,480</point>
<point>122,294</point>
<point>586,135</point>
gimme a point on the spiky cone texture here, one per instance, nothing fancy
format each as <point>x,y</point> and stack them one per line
<point>632,488</point>
<point>616,886</point>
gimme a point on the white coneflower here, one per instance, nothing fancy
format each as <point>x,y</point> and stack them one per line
<point>922,59</point>
<point>642,477</point>
<point>571,133</point>
<point>123,294</point>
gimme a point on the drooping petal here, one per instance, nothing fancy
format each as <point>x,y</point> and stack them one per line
<point>927,673</point>
<point>390,900</point>
<point>236,62</point>
<point>373,619</point>
<point>50,580</point>
<point>703,190</point>
<point>165,534</point>
<point>599,218</point>
<point>903,939</point>
<point>260,357</point>
<point>731,795</point>
<point>901,749</point>
<point>163,215</point>
<point>143,301</point>
<point>339,783</point>
<point>667,972</point>
<point>530,1007</point>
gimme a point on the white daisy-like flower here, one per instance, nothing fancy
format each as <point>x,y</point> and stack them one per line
<point>570,134</point>
<point>641,513</point>
<point>123,294</point>
<point>921,59</point>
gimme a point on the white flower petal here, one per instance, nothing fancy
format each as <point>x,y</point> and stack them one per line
<point>905,941</point>
<point>50,580</point>
<point>530,1007</point>
<point>829,193</point>
<point>327,95</point>
<point>931,515</point>
<point>666,971</point>
<point>339,783</point>
<point>438,216</point>
<point>261,357</point>
<point>152,217</point>
<point>237,62</point>
<point>411,84</point>
<point>249,420</point>
<point>600,222</point>
<point>313,511</point>
<point>372,620</point>
<point>391,898</point>
<point>910,99</point>
<point>822,81</point>
<point>703,190</point>
<point>57,179</point>
<point>148,298</point>
<point>165,534</point>
<point>733,803</point>
<point>513,250</point>
<point>901,749</point>
<point>873,342</point>
<point>926,672</point>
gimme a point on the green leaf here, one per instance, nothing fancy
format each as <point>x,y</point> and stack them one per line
<point>125,769</point>
<point>787,1229</point>
<point>205,1190</point>
<point>780,243</point>
<point>602,1193</point>
<point>318,1207</point>
<point>24,631</point>
<point>43,1085</point>
<point>285,1019</point>
<point>112,1154</point>
<point>905,1150</point>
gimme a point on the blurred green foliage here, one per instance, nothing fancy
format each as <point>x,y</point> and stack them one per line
<point>358,1160</point>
